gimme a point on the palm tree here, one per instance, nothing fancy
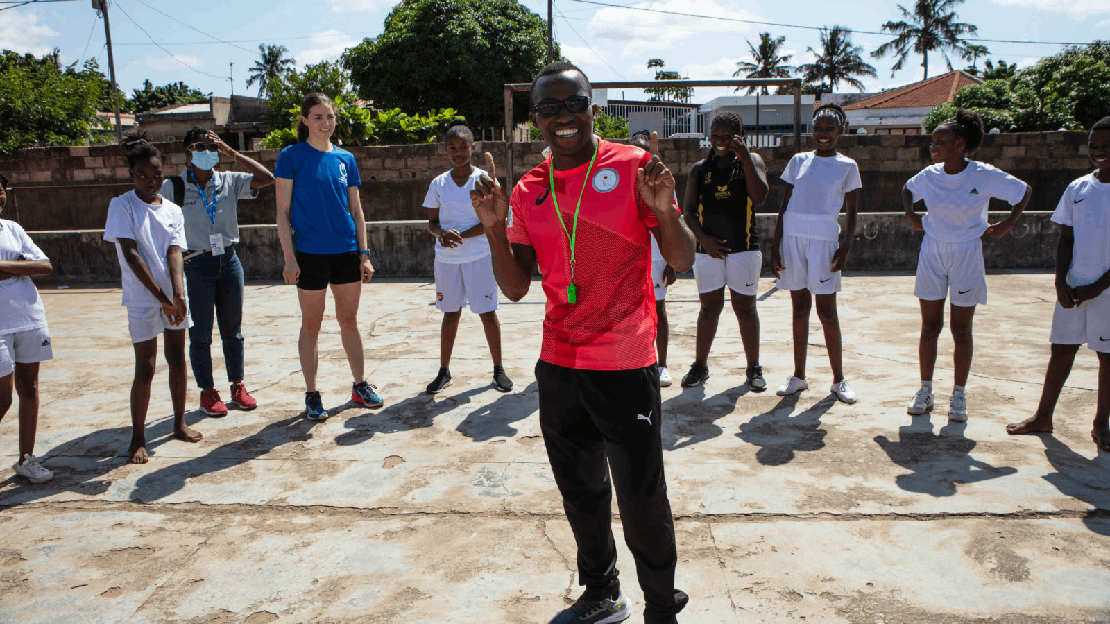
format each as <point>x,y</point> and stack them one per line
<point>768,63</point>
<point>932,26</point>
<point>838,61</point>
<point>271,66</point>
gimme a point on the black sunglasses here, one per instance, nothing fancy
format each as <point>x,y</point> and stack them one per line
<point>573,104</point>
<point>204,147</point>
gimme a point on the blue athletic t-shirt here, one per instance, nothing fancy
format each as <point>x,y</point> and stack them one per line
<point>319,215</point>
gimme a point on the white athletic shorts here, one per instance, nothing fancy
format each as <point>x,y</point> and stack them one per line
<point>148,323</point>
<point>25,347</point>
<point>1089,323</point>
<point>473,281</point>
<point>808,263</point>
<point>958,267</point>
<point>658,265</point>
<point>739,271</point>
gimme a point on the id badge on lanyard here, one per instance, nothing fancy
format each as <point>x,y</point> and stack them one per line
<point>216,244</point>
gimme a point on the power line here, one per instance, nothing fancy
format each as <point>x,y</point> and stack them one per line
<point>118,6</point>
<point>781,25</point>
<point>596,53</point>
<point>91,31</point>
<point>155,9</point>
<point>26,2</point>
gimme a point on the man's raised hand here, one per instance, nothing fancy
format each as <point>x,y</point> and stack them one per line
<point>654,181</point>
<point>488,198</point>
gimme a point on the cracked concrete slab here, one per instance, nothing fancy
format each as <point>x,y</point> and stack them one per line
<point>443,508</point>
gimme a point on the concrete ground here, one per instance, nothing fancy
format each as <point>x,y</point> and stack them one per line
<point>443,509</point>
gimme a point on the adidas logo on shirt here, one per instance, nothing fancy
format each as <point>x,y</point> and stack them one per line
<point>974,191</point>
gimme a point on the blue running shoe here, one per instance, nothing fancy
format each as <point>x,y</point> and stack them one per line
<point>314,407</point>
<point>366,394</point>
<point>585,611</point>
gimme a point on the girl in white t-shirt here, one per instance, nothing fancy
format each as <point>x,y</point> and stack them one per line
<point>956,193</point>
<point>463,266</point>
<point>1082,314</point>
<point>24,336</point>
<point>809,251</point>
<point>149,233</point>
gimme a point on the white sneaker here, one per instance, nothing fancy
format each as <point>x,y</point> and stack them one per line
<point>664,378</point>
<point>32,470</point>
<point>792,385</point>
<point>957,407</point>
<point>922,402</point>
<point>843,392</point>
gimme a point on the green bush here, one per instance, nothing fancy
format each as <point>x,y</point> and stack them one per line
<point>358,127</point>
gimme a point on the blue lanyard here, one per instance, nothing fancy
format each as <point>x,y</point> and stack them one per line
<point>215,198</point>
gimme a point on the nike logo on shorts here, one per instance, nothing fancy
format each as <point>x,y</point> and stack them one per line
<point>749,285</point>
<point>825,280</point>
<point>1076,201</point>
<point>964,292</point>
<point>46,343</point>
<point>1103,339</point>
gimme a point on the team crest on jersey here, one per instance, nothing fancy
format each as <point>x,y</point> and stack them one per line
<point>722,192</point>
<point>606,180</point>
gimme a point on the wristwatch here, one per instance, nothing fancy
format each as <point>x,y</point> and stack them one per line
<point>364,252</point>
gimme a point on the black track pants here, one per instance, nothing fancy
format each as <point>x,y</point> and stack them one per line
<point>590,418</point>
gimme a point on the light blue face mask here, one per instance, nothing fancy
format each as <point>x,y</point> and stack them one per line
<point>205,160</point>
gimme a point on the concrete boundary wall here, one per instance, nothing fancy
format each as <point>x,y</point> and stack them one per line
<point>69,188</point>
<point>883,242</point>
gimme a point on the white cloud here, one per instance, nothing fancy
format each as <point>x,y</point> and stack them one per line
<point>22,32</point>
<point>362,6</point>
<point>1077,8</point>
<point>585,57</point>
<point>1028,62</point>
<point>646,34</point>
<point>717,70</point>
<point>164,63</point>
<point>326,46</point>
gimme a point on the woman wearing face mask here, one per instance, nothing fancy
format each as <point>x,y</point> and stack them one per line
<point>214,277</point>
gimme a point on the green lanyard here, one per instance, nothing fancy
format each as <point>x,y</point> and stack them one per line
<point>572,290</point>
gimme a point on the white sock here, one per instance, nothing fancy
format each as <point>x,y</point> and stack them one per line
<point>928,385</point>
<point>957,389</point>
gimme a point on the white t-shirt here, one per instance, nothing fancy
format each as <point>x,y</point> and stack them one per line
<point>957,204</point>
<point>456,213</point>
<point>820,184</point>
<point>20,305</point>
<point>154,229</point>
<point>1085,206</point>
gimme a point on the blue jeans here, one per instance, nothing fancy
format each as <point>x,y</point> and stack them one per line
<point>215,283</point>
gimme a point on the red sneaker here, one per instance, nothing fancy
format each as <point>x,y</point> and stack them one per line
<point>211,404</point>
<point>241,397</point>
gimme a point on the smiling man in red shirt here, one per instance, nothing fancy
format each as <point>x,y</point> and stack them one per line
<point>585,217</point>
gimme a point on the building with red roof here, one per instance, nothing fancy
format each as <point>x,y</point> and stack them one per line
<point>901,110</point>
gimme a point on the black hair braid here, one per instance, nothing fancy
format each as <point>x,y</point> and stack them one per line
<point>139,149</point>
<point>968,125</point>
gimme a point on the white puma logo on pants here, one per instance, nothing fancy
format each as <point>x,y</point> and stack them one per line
<point>642,417</point>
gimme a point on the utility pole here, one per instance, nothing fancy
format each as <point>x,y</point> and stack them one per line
<point>231,78</point>
<point>550,41</point>
<point>102,6</point>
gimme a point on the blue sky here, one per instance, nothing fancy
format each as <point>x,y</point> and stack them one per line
<point>610,44</point>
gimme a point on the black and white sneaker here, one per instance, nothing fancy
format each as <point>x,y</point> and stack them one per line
<point>755,378</point>
<point>501,380</point>
<point>604,611</point>
<point>698,374</point>
<point>442,380</point>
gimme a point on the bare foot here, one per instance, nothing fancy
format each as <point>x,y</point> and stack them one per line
<point>1101,436</point>
<point>1029,425</point>
<point>187,434</point>
<point>137,455</point>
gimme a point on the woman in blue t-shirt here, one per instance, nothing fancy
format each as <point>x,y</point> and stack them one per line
<point>323,238</point>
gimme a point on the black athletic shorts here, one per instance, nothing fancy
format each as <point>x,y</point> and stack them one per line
<point>319,270</point>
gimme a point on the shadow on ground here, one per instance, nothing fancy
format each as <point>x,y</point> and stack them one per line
<point>938,461</point>
<point>781,436</point>
<point>1083,479</point>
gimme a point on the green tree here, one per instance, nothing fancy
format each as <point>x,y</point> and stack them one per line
<point>974,53</point>
<point>838,61</point>
<point>43,103</point>
<point>1002,70</point>
<point>151,97</point>
<point>931,26</point>
<point>768,61</point>
<point>1067,90</point>
<point>669,94</point>
<point>271,66</point>
<point>436,54</point>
